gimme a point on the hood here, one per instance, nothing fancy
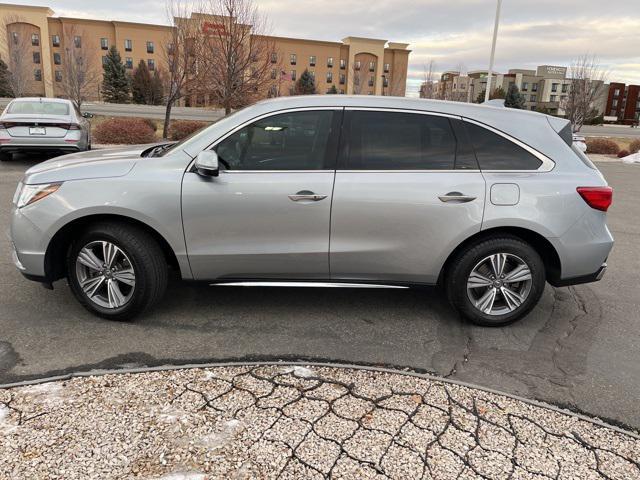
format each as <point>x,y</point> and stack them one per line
<point>113,162</point>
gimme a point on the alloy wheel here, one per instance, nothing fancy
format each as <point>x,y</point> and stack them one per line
<point>499,284</point>
<point>105,274</point>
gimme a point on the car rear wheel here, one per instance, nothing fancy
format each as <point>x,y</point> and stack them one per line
<point>117,271</point>
<point>496,281</point>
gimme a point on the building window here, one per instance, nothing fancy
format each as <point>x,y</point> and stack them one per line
<point>343,64</point>
<point>553,98</point>
<point>372,66</point>
<point>58,75</point>
<point>343,78</point>
<point>565,87</point>
<point>554,87</point>
<point>329,77</point>
<point>533,98</point>
<point>534,87</point>
<point>312,74</point>
<point>330,62</point>
<point>77,41</point>
<point>356,65</point>
<point>104,59</point>
<point>128,45</point>
<point>312,61</point>
<point>385,81</point>
<point>14,36</point>
<point>616,92</point>
<point>274,73</point>
<point>293,59</point>
<point>614,103</point>
<point>293,75</point>
<point>386,68</point>
<point>371,80</point>
<point>274,57</point>
<point>342,91</point>
<point>57,60</point>
<point>128,62</point>
<point>37,75</point>
<point>35,40</point>
<point>55,40</point>
<point>36,57</point>
<point>150,47</point>
<point>525,86</point>
<point>104,43</point>
<point>151,63</point>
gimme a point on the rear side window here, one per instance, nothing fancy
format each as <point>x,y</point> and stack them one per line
<point>399,141</point>
<point>495,152</point>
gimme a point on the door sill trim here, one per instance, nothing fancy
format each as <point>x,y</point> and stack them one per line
<point>305,284</point>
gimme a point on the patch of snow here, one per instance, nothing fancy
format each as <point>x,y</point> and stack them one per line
<point>6,427</point>
<point>221,438</point>
<point>47,393</point>
<point>633,158</point>
<point>169,414</point>
<point>303,372</point>
<point>208,375</point>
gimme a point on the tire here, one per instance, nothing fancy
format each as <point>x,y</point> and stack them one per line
<point>136,258</point>
<point>472,297</point>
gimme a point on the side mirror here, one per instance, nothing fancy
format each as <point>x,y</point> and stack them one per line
<point>207,163</point>
<point>87,115</point>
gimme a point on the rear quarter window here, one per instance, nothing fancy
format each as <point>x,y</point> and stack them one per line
<point>495,152</point>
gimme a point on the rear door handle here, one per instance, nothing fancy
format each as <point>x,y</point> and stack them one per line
<point>306,195</point>
<point>456,197</point>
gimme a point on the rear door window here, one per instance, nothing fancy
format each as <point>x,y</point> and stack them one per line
<point>495,152</point>
<point>398,141</point>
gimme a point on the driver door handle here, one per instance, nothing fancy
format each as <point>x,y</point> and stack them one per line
<point>456,197</point>
<point>306,195</point>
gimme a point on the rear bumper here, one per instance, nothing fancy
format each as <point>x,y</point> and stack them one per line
<point>592,277</point>
<point>53,147</point>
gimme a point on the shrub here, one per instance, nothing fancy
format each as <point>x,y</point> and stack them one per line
<point>634,147</point>
<point>128,131</point>
<point>603,146</point>
<point>180,129</point>
<point>151,122</point>
<point>623,153</point>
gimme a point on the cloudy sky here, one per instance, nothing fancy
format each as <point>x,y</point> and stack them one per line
<point>449,32</point>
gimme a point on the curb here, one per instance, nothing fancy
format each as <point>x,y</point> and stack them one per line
<point>91,373</point>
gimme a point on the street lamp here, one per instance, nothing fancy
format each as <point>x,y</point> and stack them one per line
<point>493,52</point>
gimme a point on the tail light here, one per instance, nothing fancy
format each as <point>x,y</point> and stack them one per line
<point>599,198</point>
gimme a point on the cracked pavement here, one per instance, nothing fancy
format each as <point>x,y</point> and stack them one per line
<point>578,348</point>
<point>281,421</point>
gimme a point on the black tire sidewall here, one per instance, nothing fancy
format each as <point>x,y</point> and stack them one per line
<point>141,290</point>
<point>469,258</point>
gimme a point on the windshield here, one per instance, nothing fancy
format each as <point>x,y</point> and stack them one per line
<point>38,108</point>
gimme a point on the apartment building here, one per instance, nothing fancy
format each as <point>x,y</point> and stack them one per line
<point>623,103</point>
<point>354,65</point>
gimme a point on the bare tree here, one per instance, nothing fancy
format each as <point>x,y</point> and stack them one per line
<point>80,74</point>
<point>587,82</point>
<point>427,89</point>
<point>19,60</point>
<point>358,77</point>
<point>237,66</point>
<point>180,51</point>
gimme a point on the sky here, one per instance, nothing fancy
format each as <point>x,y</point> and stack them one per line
<point>452,33</point>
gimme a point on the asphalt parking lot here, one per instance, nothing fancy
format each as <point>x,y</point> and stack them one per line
<point>580,348</point>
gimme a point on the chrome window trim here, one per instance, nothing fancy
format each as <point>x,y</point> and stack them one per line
<point>402,110</point>
<point>216,142</point>
<point>546,166</point>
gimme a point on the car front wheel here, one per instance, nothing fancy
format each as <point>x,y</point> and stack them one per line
<point>496,281</point>
<point>117,271</point>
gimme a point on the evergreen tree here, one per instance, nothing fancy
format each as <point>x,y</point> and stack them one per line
<point>514,99</point>
<point>333,90</point>
<point>115,82</point>
<point>141,84</point>
<point>480,97</point>
<point>305,85</point>
<point>157,89</point>
<point>5,88</point>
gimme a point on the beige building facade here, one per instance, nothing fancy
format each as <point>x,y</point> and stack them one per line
<point>353,66</point>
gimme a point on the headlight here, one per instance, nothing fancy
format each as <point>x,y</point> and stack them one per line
<point>27,194</point>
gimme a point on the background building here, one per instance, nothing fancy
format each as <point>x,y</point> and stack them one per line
<point>354,66</point>
<point>623,102</point>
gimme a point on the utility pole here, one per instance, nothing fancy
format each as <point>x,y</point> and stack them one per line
<point>493,52</point>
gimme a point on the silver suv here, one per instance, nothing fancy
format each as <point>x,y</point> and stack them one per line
<point>488,202</point>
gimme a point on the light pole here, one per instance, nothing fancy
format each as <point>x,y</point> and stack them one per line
<point>493,52</point>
